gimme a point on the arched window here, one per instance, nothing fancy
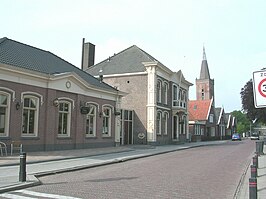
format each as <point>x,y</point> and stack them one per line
<point>107,113</point>
<point>64,118</point>
<point>91,121</point>
<point>165,118</point>
<point>30,115</point>
<point>4,113</point>
<point>159,123</point>
<point>159,91</point>
<point>165,88</point>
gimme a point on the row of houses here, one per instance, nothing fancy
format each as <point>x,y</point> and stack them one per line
<point>46,103</point>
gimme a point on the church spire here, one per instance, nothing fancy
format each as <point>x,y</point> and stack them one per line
<point>204,54</point>
<point>204,71</point>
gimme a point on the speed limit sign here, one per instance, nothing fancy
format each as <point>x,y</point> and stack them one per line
<point>259,88</point>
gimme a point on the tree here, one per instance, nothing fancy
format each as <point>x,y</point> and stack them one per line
<point>243,124</point>
<point>248,104</point>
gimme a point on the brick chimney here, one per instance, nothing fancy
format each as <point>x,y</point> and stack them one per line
<point>88,54</point>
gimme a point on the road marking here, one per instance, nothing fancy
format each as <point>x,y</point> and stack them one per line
<point>12,195</point>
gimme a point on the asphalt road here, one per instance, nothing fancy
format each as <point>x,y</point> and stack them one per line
<point>203,172</point>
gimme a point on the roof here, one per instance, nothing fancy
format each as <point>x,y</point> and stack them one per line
<point>218,113</point>
<point>127,61</point>
<point>204,71</point>
<point>31,58</point>
<point>199,109</point>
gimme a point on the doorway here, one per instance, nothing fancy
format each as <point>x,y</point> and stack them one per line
<point>126,135</point>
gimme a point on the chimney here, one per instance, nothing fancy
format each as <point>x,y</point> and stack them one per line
<point>88,53</point>
<point>101,75</point>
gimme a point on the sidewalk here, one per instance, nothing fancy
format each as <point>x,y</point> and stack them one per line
<point>261,179</point>
<point>50,162</point>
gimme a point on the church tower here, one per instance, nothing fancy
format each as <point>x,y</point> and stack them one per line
<point>204,85</point>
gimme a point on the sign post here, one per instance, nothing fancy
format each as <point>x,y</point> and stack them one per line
<point>259,88</point>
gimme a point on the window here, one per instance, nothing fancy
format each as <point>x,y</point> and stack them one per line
<point>107,121</point>
<point>159,123</point>
<point>179,96</point>
<point>202,94</point>
<point>211,118</point>
<point>91,122</point>
<point>165,117</point>
<point>165,92</point>
<point>175,95</point>
<point>64,119</point>
<point>159,91</point>
<point>30,115</point>
<point>4,113</point>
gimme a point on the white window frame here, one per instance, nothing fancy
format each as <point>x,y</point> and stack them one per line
<point>159,91</point>
<point>175,95</point>
<point>36,116</point>
<point>166,117</point>
<point>88,117</point>
<point>106,118</point>
<point>166,87</point>
<point>68,113</point>
<point>7,114</point>
<point>159,123</point>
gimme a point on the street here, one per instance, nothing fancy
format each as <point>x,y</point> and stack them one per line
<point>202,172</point>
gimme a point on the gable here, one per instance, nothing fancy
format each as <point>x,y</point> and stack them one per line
<point>129,60</point>
<point>199,110</point>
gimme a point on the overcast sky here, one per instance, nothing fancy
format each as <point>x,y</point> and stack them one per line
<point>173,31</point>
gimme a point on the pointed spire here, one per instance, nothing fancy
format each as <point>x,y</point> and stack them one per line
<point>204,71</point>
<point>204,54</point>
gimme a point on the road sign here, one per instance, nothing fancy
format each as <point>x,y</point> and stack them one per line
<point>259,88</point>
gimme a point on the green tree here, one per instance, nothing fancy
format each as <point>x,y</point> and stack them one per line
<point>258,114</point>
<point>243,124</point>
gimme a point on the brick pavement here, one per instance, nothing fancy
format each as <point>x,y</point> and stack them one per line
<point>12,183</point>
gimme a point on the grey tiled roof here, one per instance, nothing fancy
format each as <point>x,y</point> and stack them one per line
<point>28,57</point>
<point>127,61</point>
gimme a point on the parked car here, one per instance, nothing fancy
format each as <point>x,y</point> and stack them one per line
<point>254,136</point>
<point>236,136</point>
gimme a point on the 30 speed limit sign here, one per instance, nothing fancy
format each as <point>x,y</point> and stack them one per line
<point>259,88</point>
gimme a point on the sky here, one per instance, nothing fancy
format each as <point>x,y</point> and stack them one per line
<point>233,33</point>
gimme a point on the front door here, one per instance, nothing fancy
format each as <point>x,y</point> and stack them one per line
<point>127,127</point>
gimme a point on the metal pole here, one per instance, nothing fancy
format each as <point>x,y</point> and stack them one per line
<point>252,188</point>
<point>254,172</point>
<point>22,170</point>
<point>255,161</point>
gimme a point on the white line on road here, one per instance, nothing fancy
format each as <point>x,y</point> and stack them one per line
<point>14,196</point>
<point>33,193</point>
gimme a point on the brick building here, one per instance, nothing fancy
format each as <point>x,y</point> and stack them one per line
<point>47,103</point>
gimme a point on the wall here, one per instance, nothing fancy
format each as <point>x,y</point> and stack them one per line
<point>136,99</point>
<point>47,138</point>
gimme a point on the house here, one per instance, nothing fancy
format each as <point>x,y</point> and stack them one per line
<point>202,121</point>
<point>221,123</point>
<point>46,103</point>
<point>156,100</point>
<point>231,124</point>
